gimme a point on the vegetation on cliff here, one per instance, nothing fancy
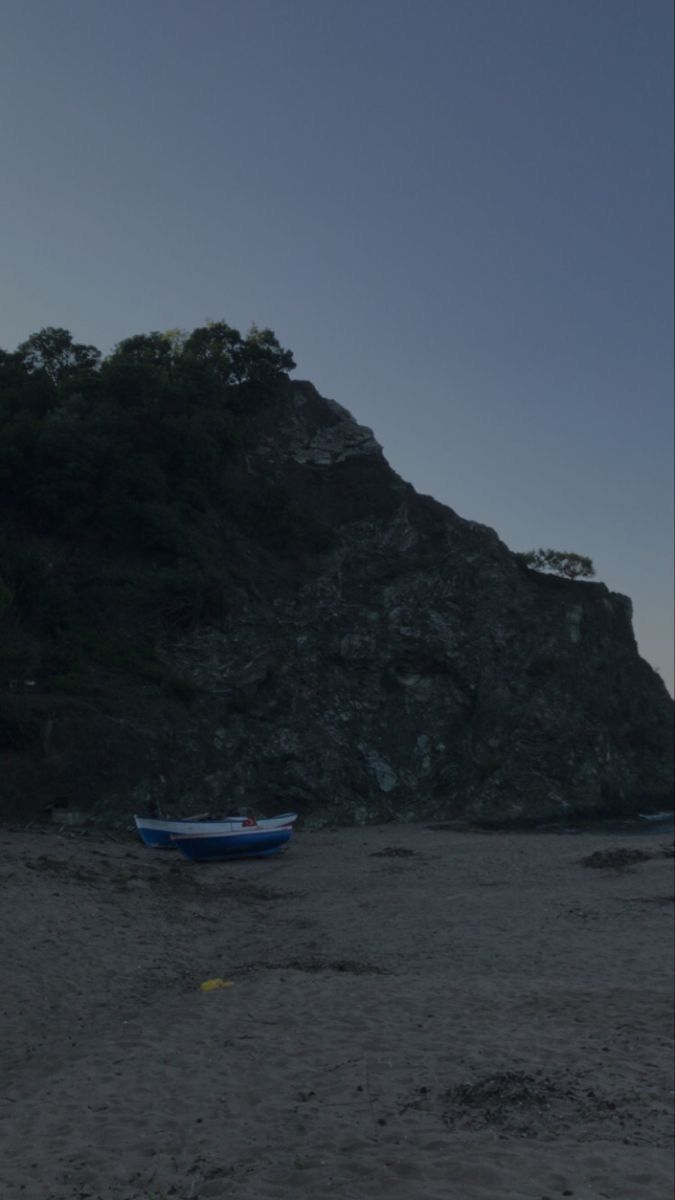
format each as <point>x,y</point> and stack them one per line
<point>127,450</point>
<point>120,487</point>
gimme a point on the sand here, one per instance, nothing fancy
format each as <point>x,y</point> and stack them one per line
<point>413,1014</point>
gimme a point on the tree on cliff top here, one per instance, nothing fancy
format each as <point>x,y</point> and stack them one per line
<point>53,351</point>
<point>131,451</point>
<point>558,562</point>
<point>232,359</point>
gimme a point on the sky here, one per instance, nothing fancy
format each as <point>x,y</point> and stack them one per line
<point>458,214</point>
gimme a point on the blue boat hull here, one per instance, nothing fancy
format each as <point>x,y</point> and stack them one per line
<point>159,834</point>
<point>219,847</point>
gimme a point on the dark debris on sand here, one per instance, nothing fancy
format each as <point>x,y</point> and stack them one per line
<point>518,1104</point>
<point>621,857</point>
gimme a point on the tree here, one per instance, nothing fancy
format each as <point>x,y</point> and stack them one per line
<point>149,349</point>
<point>215,346</point>
<point>232,359</point>
<point>262,356</point>
<point>12,371</point>
<point>53,351</point>
<point>558,562</point>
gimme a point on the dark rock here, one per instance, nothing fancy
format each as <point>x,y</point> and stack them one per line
<point>380,658</point>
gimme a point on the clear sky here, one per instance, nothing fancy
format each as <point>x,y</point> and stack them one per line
<point>457,213</point>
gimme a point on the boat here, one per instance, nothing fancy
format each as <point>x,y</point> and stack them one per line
<point>248,841</point>
<point>157,832</point>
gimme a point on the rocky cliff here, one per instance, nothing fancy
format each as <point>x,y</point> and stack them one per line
<point>376,657</point>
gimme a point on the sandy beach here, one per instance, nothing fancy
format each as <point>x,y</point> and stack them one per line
<point>412,1013</point>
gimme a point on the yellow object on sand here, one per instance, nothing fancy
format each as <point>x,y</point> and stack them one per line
<point>210,985</point>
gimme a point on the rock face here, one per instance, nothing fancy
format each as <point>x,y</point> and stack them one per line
<point>398,663</point>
